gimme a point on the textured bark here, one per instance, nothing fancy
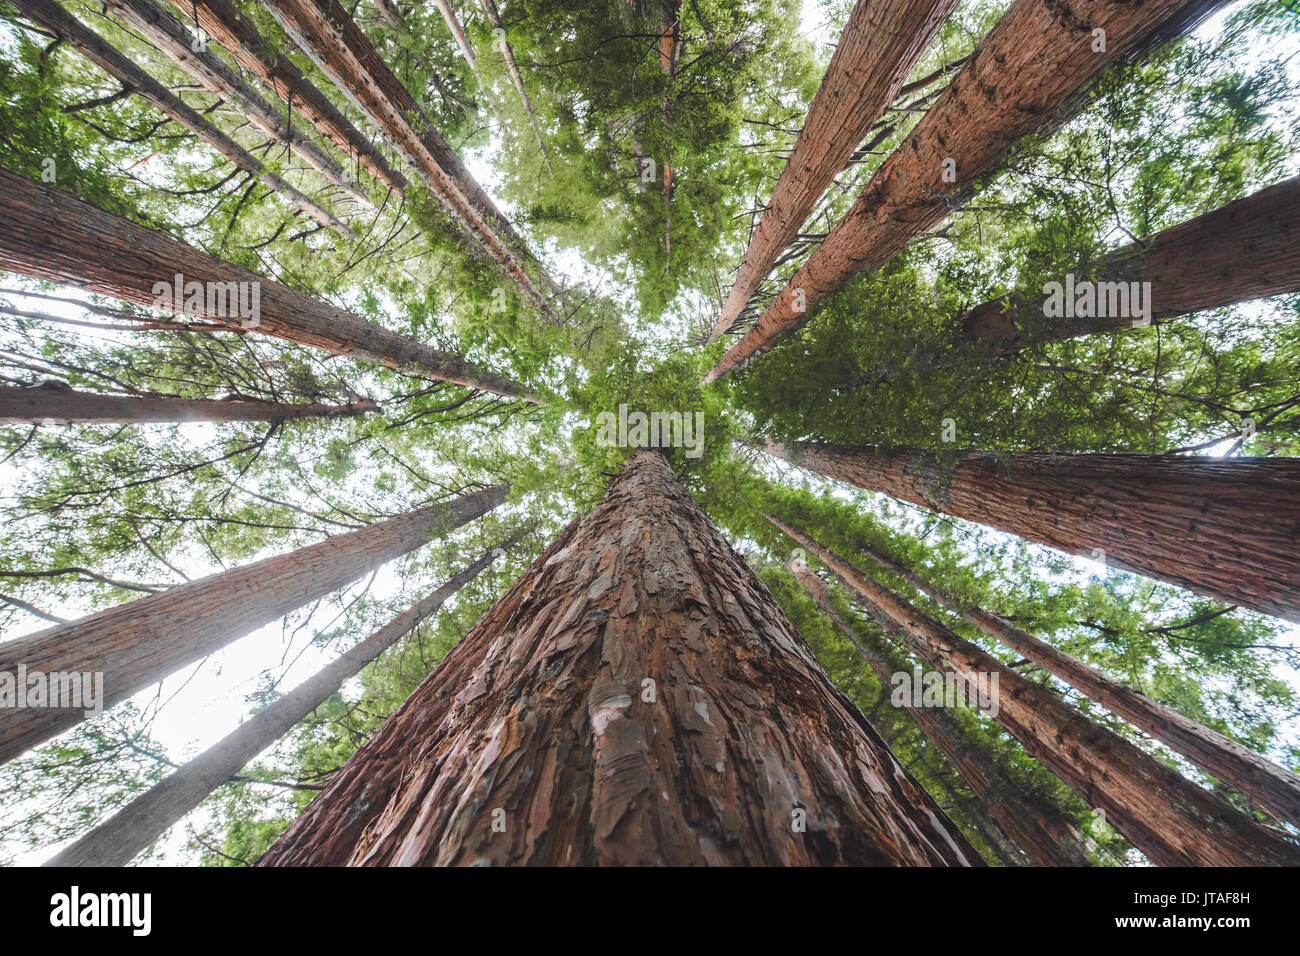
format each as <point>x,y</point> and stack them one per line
<point>1248,249</point>
<point>221,20</point>
<point>539,720</point>
<point>165,31</point>
<point>1027,72</point>
<point>880,44</point>
<point>336,44</point>
<point>141,642</point>
<point>48,234</point>
<point>1272,787</point>
<point>54,402</point>
<point>116,64</point>
<point>1034,826</point>
<point>117,840</point>
<point>1224,527</point>
<point>1170,819</point>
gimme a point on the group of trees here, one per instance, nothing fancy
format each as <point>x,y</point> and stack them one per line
<point>836,253</point>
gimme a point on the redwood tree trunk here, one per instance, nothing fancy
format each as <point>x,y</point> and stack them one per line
<point>1224,527</point>
<point>222,21</point>
<point>48,234</point>
<point>1024,77</point>
<point>55,402</point>
<point>138,643</point>
<point>1033,825</point>
<point>116,64</point>
<point>1272,787</point>
<point>458,32</point>
<point>1169,818</point>
<point>636,698</point>
<point>117,841</point>
<point>880,44</point>
<point>1248,249</point>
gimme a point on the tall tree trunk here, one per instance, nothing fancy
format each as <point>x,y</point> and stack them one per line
<point>880,44</point>
<point>162,28</point>
<point>1032,824</point>
<point>1169,818</point>
<point>458,32</point>
<point>1248,249</point>
<point>1224,527</point>
<point>336,44</point>
<point>1274,788</point>
<point>139,643</point>
<point>494,20</point>
<point>48,234</point>
<point>1024,77</point>
<point>636,698</point>
<point>116,64</point>
<point>222,21</point>
<point>117,841</point>
<point>57,403</point>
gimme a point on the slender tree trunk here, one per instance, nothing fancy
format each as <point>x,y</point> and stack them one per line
<point>1024,77</point>
<point>222,21</point>
<point>458,32</point>
<point>1169,818</point>
<point>494,20</point>
<point>337,45</point>
<point>636,698</point>
<point>117,841</point>
<point>161,28</point>
<point>54,402</point>
<point>1033,825</point>
<point>49,14</point>
<point>139,643</point>
<point>1274,788</point>
<point>880,44</point>
<point>1223,527</point>
<point>1248,249</point>
<point>48,234</point>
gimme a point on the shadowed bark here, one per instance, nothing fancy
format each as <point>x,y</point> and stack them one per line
<point>1023,78</point>
<point>1223,527</point>
<point>117,840</point>
<point>636,698</point>
<point>138,643</point>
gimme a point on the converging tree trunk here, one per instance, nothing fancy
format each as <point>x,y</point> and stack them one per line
<point>57,403</point>
<point>1274,788</point>
<point>880,44</point>
<point>116,64</point>
<point>494,20</point>
<point>140,642</point>
<point>49,234</point>
<point>1166,816</point>
<point>1031,824</point>
<point>457,32</point>
<point>1025,76</point>
<point>1224,527</point>
<point>637,697</point>
<point>116,841</point>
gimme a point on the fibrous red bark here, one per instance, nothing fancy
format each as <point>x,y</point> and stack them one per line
<point>1026,73</point>
<point>637,697</point>
<point>49,234</point>
<point>1224,527</point>
<point>1166,816</point>
<point>140,642</point>
<point>880,44</point>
